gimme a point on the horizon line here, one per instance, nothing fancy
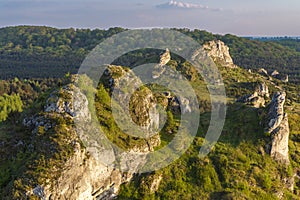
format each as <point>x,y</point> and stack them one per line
<point>158,27</point>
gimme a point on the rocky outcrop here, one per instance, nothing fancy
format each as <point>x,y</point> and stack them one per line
<point>165,57</point>
<point>280,140</point>
<point>278,127</point>
<point>282,77</point>
<point>263,90</point>
<point>127,89</point>
<point>276,111</point>
<point>263,72</point>
<point>219,52</point>
<point>257,99</point>
<point>84,175</point>
<point>85,178</point>
<point>68,100</point>
<point>160,68</point>
<point>275,74</point>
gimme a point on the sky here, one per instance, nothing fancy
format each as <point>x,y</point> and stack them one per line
<point>239,17</point>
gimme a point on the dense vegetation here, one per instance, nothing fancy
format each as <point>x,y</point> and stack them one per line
<point>29,51</point>
<point>292,42</point>
<point>43,52</point>
<point>238,166</point>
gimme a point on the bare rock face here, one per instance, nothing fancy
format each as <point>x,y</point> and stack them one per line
<point>278,128</point>
<point>155,184</point>
<point>84,178</point>
<point>151,182</point>
<point>276,111</point>
<point>84,175</point>
<point>263,72</point>
<point>165,58</point>
<point>263,90</point>
<point>280,140</point>
<point>160,68</point>
<point>253,100</point>
<point>219,52</point>
<point>274,73</point>
<point>257,99</point>
<point>68,100</point>
<point>128,90</point>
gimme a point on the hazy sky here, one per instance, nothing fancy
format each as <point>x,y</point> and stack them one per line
<point>240,17</point>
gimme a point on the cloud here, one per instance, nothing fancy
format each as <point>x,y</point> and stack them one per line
<point>175,4</point>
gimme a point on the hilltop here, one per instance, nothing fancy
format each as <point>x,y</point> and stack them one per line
<point>45,52</point>
<point>256,156</point>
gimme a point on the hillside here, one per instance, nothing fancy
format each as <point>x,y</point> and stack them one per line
<point>44,52</point>
<point>43,155</point>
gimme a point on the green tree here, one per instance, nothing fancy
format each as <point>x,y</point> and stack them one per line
<point>9,104</point>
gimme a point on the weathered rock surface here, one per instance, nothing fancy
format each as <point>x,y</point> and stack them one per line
<point>84,176</point>
<point>280,140</point>
<point>276,111</point>
<point>263,90</point>
<point>282,77</point>
<point>219,52</point>
<point>263,72</point>
<point>257,99</point>
<point>278,127</point>
<point>127,91</point>
<point>160,69</point>
<point>165,58</point>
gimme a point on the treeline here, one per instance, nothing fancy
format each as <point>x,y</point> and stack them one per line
<point>291,42</point>
<point>44,52</point>
<point>31,51</point>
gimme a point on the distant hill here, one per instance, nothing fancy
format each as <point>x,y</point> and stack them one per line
<point>292,42</point>
<point>39,52</point>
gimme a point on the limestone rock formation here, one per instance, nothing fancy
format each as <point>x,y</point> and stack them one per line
<point>282,77</point>
<point>68,100</point>
<point>278,127</point>
<point>127,89</point>
<point>275,73</point>
<point>263,72</point>
<point>177,105</point>
<point>263,90</point>
<point>257,99</point>
<point>165,57</point>
<point>84,175</point>
<point>219,52</point>
<point>160,69</point>
<point>276,111</point>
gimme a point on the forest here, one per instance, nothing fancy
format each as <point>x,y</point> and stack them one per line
<point>45,52</point>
